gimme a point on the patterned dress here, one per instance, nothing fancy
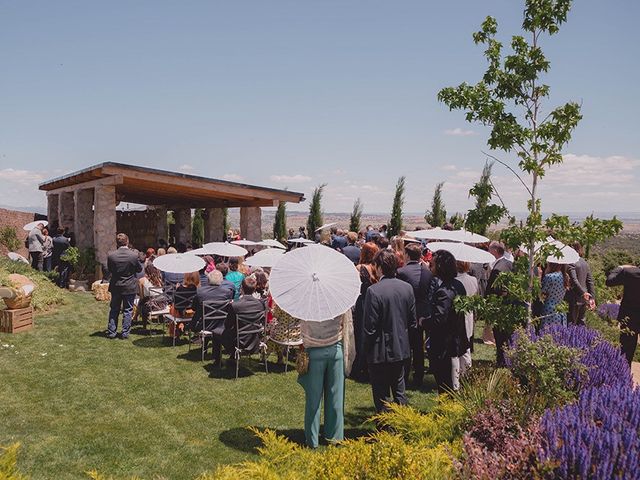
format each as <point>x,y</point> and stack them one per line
<point>553,290</point>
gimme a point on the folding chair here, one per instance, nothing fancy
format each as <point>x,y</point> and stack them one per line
<point>182,300</point>
<point>249,325</point>
<point>156,316</point>
<point>286,334</point>
<point>214,316</point>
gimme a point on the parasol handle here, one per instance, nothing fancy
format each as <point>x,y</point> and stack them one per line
<point>315,277</point>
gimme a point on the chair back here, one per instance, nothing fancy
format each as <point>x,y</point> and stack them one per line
<point>183,299</point>
<point>169,289</point>
<point>214,314</point>
<point>249,325</point>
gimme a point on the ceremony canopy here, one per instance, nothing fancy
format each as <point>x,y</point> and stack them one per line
<point>85,201</point>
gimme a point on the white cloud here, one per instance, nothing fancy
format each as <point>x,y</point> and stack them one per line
<point>591,171</point>
<point>232,177</point>
<point>186,168</point>
<point>23,177</point>
<point>459,132</point>
<point>449,168</point>
<point>290,178</point>
<point>338,171</point>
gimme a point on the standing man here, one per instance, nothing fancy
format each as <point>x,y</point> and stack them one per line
<point>501,265</point>
<point>389,313</point>
<point>352,251</point>
<point>123,265</point>
<point>582,292</point>
<point>629,316</point>
<point>36,246</point>
<point>418,275</point>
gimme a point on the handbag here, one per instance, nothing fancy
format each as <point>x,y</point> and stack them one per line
<point>302,362</point>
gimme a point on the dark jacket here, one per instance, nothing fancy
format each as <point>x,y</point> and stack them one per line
<point>581,282</point>
<point>245,305</point>
<point>352,252</point>
<point>123,265</point>
<point>502,265</point>
<point>389,312</point>
<point>209,293</point>
<point>338,242</point>
<point>448,336</point>
<point>419,277</point>
<point>629,278</point>
<point>60,245</point>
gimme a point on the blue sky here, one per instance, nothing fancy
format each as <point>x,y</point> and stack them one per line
<point>297,93</point>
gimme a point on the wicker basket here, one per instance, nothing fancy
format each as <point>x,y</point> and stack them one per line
<point>101,291</point>
<point>19,301</point>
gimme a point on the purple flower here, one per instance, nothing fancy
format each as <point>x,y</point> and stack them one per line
<point>598,437</point>
<point>608,311</point>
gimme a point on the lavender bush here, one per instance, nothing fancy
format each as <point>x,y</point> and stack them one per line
<point>596,438</point>
<point>608,311</point>
<point>604,363</point>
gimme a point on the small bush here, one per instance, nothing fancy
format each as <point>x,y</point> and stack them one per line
<point>550,373</point>
<point>597,437</point>
<point>9,238</point>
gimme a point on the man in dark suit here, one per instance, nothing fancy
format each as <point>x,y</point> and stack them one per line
<point>249,306</point>
<point>123,265</point>
<point>224,269</point>
<point>501,265</point>
<point>338,240</point>
<point>418,275</point>
<point>629,316</point>
<point>352,251</point>
<point>582,292</point>
<point>389,313</point>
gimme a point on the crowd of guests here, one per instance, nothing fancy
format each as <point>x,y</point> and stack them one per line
<point>45,251</point>
<point>403,316</point>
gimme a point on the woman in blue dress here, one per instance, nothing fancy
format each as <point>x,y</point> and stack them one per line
<point>554,286</point>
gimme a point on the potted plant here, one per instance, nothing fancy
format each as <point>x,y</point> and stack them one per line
<point>83,264</point>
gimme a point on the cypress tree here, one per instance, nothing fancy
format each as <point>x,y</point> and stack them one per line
<point>395,224</point>
<point>315,211</point>
<point>197,228</point>
<point>437,216</point>
<point>280,222</point>
<point>356,215</point>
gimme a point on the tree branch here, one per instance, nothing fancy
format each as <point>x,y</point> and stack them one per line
<point>511,169</point>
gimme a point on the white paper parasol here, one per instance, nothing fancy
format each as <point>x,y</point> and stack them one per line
<point>450,235</point>
<point>462,252</point>
<point>244,243</point>
<point>31,225</point>
<point>179,263</point>
<point>326,225</point>
<point>265,258</point>
<point>566,256</point>
<point>223,249</point>
<point>300,240</point>
<point>16,257</point>
<point>271,243</point>
<point>315,283</point>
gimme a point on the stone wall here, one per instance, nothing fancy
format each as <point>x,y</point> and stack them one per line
<point>140,226</point>
<point>16,219</point>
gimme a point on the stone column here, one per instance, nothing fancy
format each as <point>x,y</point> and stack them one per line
<point>251,223</point>
<point>182,217</point>
<point>66,207</point>
<point>52,212</point>
<point>214,225</point>
<point>83,225</point>
<point>162,228</point>
<point>104,221</point>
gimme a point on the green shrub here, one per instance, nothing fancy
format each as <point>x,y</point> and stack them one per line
<point>9,238</point>
<point>45,296</point>
<point>549,373</point>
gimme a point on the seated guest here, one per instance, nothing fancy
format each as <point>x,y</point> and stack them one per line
<point>150,290</point>
<point>351,250</point>
<point>223,268</point>
<point>149,253</point>
<point>161,251</point>
<point>247,304</point>
<point>190,283</point>
<point>234,276</point>
<point>262,284</point>
<point>213,292</point>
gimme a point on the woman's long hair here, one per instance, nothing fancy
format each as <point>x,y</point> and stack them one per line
<point>557,267</point>
<point>367,252</point>
<point>152,273</point>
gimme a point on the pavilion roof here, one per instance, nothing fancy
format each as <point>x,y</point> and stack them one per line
<point>151,186</point>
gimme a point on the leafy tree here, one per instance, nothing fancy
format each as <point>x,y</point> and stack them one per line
<point>437,216</point>
<point>9,238</point>
<point>356,216</point>
<point>588,233</point>
<point>197,228</point>
<point>315,210</point>
<point>280,222</point>
<point>395,224</point>
<point>509,100</point>
<point>485,213</point>
<point>457,221</point>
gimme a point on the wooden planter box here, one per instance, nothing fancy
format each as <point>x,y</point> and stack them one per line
<point>15,321</point>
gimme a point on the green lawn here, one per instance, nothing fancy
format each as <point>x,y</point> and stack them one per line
<point>76,401</point>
